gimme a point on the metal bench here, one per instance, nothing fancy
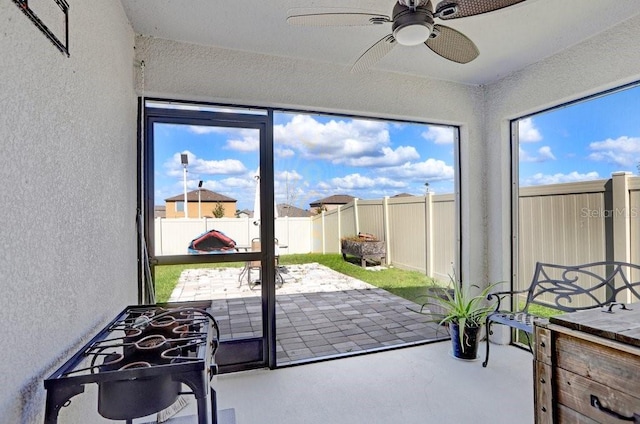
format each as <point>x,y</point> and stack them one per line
<point>567,289</point>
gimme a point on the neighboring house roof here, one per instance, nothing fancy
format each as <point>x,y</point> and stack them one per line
<point>159,212</point>
<point>244,213</point>
<point>403,195</point>
<point>292,211</point>
<point>336,199</point>
<point>205,196</point>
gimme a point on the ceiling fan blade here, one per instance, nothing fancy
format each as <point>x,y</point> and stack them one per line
<point>452,44</point>
<point>453,9</point>
<point>374,54</point>
<point>319,19</point>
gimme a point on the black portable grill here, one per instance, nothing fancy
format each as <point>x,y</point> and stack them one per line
<point>140,361</point>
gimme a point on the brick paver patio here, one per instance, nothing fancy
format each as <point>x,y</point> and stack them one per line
<point>319,312</point>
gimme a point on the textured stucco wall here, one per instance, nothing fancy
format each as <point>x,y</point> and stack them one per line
<point>193,72</point>
<point>68,189</point>
<point>607,60</point>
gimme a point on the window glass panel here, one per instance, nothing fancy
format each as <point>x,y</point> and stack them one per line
<point>336,177</point>
<point>215,168</point>
<point>578,181</point>
<point>236,308</point>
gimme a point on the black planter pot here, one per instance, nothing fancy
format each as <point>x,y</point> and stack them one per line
<point>469,348</point>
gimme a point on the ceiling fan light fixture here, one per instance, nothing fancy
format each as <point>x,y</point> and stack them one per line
<point>412,34</point>
<point>412,27</point>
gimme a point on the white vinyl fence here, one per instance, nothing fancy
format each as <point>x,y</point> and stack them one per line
<point>173,236</point>
<point>419,231</point>
<point>578,223</point>
<point>562,223</point>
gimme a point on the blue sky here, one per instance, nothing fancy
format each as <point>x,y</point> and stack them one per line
<point>584,141</point>
<point>314,157</point>
<point>317,155</point>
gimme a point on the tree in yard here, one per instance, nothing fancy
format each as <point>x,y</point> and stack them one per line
<point>218,211</point>
<point>320,209</point>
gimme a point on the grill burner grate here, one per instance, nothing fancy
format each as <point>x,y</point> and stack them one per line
<point>140,361</point>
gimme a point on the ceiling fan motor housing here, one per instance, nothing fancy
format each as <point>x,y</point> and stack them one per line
<point>410,3</point>
<point>410,27</point>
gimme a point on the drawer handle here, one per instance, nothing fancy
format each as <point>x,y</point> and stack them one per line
<point>595,402</point>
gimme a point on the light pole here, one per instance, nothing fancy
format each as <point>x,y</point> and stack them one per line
<point>185,161</point>
<point>199,201</point>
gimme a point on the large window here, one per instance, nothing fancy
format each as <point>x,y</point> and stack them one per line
<point>578,198</point>
<point>220,181</point>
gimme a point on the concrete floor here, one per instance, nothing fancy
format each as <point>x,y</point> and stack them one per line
<point>422,384</point>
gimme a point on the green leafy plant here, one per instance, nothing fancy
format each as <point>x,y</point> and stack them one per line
<point>459,305</point>
<point>218,210</point>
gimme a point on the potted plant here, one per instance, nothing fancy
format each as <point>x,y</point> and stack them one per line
<point>463,312</point>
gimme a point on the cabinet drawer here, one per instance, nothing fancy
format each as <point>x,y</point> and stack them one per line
<point>602,363</point>
<point>595,400</point>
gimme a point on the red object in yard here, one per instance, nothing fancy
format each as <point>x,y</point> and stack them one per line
<point>211,242</point>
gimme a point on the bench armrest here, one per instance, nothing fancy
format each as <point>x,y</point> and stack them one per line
<point>498,296</point>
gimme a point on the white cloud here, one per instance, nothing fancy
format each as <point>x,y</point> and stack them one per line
<point>239,139</point>
<point>203,129</point>
<point>544,154</point>
<point>288,176</point>
<point>439,135</point>
<point>336,141</point>
<point>429,170</point>
<point>201,166</point>
<point>249,144</point>
<point>357,181</point>
<point>218,167</point>
<point>283,153</point>
<point>387,157</point>
<point>542,179</point>
<point>527,131</point>
<point>623,151</point>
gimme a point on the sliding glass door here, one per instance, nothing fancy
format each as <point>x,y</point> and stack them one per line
<point>208,171</point>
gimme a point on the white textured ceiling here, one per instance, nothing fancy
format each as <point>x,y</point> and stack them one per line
<point>508,39</point>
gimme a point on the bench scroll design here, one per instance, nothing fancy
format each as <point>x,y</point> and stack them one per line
<point>559,287</point>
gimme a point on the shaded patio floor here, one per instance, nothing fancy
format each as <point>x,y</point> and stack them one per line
<point>319,312</point>
<point>421,384</point>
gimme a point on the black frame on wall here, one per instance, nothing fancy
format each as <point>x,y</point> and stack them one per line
<point>37,21</point>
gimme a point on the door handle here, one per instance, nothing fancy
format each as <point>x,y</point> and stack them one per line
<point>595,402</point>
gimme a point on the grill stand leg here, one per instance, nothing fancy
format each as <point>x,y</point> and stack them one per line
<point>214,407</point>
<point>197,383</point>
<point>57,398</point>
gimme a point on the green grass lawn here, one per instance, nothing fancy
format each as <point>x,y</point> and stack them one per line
<point>407,284</point>
<point>538,310</point>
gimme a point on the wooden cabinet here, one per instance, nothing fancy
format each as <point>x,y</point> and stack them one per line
<point>587,368</point>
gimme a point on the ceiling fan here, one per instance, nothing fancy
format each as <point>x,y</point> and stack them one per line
<point>412,24</point>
